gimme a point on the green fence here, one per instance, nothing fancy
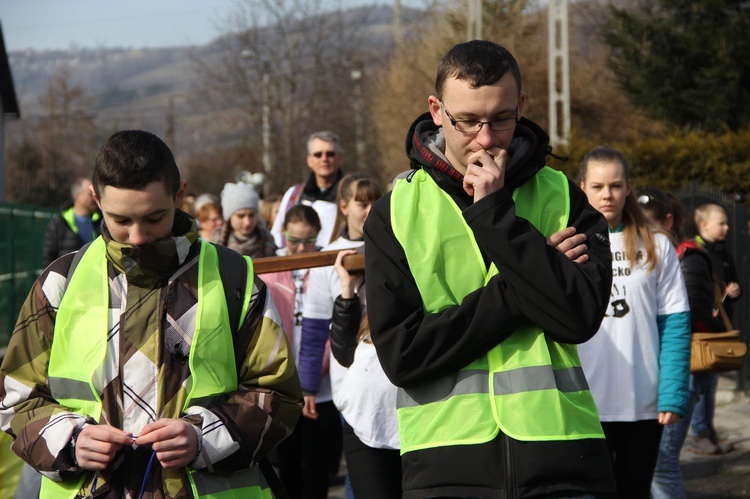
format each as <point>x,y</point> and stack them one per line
<point>21,235</point>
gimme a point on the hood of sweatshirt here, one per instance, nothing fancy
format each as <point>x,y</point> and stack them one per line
<point>425,147</point>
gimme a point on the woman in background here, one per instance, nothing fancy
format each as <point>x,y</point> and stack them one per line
<point>242,232</point>
<point>637,365</point>
<point>209,219</point>
<point>355,195</point>
<point>300,453</point>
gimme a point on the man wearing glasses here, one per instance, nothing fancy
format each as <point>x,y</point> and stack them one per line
<point>484,269</point>
<point>325,156</point>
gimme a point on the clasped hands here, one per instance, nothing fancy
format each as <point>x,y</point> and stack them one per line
<point>174,441</point>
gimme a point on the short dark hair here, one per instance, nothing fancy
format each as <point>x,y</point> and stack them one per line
<point>478,62</point>
<point>302,213</point>
<point>132,159</point>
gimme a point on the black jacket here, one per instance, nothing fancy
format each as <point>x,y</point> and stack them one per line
<point>347,316</point>
<point>724,269</point>
<point>59,239</point>
<point>536,285</point>
<point>697,268</point>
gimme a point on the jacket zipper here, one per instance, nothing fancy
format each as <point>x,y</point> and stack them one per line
<point>510,482</point>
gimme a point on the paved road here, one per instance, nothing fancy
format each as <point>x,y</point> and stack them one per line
<point>727,476</point>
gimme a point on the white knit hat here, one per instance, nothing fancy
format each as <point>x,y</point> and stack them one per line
<point>238,197</point>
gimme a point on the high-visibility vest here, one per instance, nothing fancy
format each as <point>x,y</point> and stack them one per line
<point>79,348</point>
<point>70,218</point>
<point>528,386</point>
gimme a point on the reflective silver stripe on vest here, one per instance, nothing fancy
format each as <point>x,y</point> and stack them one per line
<point>524,379</point>
<point>463,383</point>
<point>529,379</point>
<point>66,388</point>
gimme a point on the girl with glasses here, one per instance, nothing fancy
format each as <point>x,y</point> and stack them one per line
<point>355,195</point>
<point>299,454</point>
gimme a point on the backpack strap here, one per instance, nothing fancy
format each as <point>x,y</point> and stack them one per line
<point>233,271</point>
<point>295,197</point>
<point>76,260</point>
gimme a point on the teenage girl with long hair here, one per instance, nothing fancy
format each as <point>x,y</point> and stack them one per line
<point>355,195</point>
<point>637,365</point>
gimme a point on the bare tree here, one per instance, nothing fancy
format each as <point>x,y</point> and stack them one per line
<point>54,148</point>
<point>293,61</point>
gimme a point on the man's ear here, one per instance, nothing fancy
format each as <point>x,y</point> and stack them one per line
<point>521,101</point>
<point>435,111</point>
<point>181,192</point>
<point>96,198</point>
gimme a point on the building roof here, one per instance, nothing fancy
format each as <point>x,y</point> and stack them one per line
<point>7,90</point>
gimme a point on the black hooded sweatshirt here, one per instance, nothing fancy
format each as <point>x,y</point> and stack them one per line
<point>536,285</point>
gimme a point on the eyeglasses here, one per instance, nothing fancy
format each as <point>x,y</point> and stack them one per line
<point>296,241</point>
<point>329,154</point>
<point>474,126</point>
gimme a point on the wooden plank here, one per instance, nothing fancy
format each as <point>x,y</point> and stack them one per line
<point>352,263</point>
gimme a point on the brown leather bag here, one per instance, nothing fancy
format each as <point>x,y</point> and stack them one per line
<point>717,352</point>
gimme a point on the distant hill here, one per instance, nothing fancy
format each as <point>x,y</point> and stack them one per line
<point>130,88</point>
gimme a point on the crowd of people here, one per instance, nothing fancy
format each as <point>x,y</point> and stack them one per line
<point>519,333</point>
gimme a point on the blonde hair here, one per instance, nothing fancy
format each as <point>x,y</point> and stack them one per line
<point>635,224</point>
<point>703,212</point>
<point>364,330</point>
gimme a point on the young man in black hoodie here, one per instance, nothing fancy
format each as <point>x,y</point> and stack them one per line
<point>484,268</point>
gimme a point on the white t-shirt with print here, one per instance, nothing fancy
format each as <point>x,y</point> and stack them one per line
<point>621,361</point>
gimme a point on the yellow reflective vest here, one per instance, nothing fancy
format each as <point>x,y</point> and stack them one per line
<point>528,386</point>
<point>79,348</point>
<point>70,218</point>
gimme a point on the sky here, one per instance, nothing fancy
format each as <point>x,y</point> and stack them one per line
<point>62,24</point>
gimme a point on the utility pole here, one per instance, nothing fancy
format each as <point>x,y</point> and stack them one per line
<point>474,20</point>
<point>356,77</point>
<point>559,73</point>
<point>266,119</point>
<point>398,35</point>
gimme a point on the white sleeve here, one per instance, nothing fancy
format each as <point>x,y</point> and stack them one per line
<point>671,292</point>
<point>279,222</point>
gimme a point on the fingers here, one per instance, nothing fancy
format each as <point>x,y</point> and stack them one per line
<point>174,440</point>
<point>485,172</point>
<point>164,430</point>
<point>97,445</point>
<point>669,418</point>
<point>341,255</point>
<point>348,281</point>
<point>570,244</point>
<point>151,432</point>
<point>309,410</point>
<point>560,236</point>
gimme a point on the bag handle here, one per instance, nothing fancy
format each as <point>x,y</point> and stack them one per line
<point>718,299</point>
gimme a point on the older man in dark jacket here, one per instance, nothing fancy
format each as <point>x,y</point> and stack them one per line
<point>74,226</point>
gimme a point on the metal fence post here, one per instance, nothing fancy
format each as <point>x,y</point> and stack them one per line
<point>740,248</point>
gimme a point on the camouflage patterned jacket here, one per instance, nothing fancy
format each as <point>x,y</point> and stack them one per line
<point>145,377</point>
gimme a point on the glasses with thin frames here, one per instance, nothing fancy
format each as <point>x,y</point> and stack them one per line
<point>474,126</point>
<point>296,241</point>
<point>329,154</point>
